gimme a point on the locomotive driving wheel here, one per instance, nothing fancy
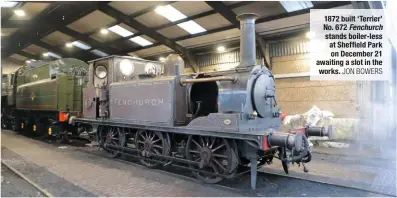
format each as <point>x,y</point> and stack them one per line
<point>148,143</point>
<point>213,155</point>
<point>113,136</point>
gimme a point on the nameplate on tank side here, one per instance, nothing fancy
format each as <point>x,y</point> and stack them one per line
<point>142,101</point>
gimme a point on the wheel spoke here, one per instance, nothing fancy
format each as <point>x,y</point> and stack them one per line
<point>157,146</point>
<point>151,137</point>
<point>202,141</point>
<point>220,165</point>
<point>196,143</point>
<point>213,142</point>
<point>142,136</point>
<point>215,149</point>
<point>141,142</point>
<point>198,159</point>
<point>155,141</point>
<point>146,135</point>
<point>194,151</point>
<point>214,168</point>
<point>156,151</point>
<point>221,156</point>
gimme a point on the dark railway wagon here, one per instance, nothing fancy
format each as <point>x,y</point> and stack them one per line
<point>209,123</point>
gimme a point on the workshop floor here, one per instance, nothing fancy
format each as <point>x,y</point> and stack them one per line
<point>80,173</point>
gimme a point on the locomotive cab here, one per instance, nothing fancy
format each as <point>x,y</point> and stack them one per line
<point>203,98</point>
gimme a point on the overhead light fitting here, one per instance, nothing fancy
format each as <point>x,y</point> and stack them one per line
<point>104,31</point>
<point>141,41</point>
<point>8,4</point>
<point>192,27</point>
<point>310,34</point>
<point>292,6</point>
<point>120,31</point>
<point>220,49</point>
<point>173,15</point>
<point>99,53</point>
<point>45,54</point>
<point>81,45</point>
<point>161,59</point>
<point>53,55</point>
<point>170,13</point>
<point>28,61</point>
<point>69,45</point>
<point>19,12</point>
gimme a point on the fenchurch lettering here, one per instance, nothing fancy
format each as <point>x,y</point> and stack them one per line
<point>140,102</point>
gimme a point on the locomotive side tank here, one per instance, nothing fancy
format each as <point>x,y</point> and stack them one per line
<point>44,96</point>
<point>211,123</point>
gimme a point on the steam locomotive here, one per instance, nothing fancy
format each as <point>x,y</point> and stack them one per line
<point>209,123</point>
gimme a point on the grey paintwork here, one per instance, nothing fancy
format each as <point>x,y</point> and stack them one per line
<point>245,106</point>
<point>89,103</point>
<point>173,65</point>
<point>146,101</point>
<point>162,101</point>
<point>217,121</point>
<point>247,40</point>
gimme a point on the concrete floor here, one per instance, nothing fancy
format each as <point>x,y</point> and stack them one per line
<point>86,173</point>
<point>14,186</point>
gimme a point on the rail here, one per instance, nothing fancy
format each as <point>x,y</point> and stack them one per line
<point>42,190</point>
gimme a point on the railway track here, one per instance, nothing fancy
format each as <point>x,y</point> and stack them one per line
<point>241,184</point>
<point>25,178</point>
<point>276,185</point>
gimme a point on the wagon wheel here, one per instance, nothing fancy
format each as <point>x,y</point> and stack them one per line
<point>213,154</point>
<point>111,136</point>
<point>148,143</point>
